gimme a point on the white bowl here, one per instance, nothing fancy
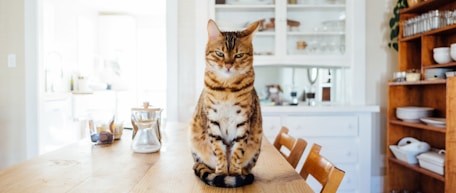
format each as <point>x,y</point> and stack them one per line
<point>453,54</point>
<point>442,58</point>
<point>453,46</point>
<point>413,114</point>
<point>441,49</point>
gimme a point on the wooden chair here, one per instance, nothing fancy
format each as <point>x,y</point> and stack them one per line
<point>295,146</point>
<point>320,168</point>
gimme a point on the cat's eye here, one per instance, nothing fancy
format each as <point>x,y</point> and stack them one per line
<point>239,55</point>
<point>219,54</point>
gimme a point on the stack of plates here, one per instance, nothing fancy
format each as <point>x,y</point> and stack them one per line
<point>434,121</point>
<point>413,114</point>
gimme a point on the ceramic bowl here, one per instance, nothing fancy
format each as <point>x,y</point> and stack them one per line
<point>453,54</point>
<point>453,46</point>
<point>442,58</point>
<point>441,50</point>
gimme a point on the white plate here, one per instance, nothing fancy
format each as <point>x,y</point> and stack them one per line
<point>434,121</point>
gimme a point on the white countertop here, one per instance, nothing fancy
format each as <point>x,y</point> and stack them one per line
<point>321,109</point>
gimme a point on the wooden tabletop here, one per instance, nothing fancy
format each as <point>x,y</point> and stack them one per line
<point>83,167</point>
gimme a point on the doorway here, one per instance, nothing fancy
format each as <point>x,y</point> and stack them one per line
<point>99,55</point>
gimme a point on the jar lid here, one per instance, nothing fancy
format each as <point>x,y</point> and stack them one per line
<point>146,107</point>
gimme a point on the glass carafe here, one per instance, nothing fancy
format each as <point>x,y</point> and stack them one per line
<point>146,139</point>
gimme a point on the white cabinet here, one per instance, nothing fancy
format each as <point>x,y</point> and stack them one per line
<point>326,28</point>
<point>271,126</point>
<point>343,132</point>
<point>57,127</point>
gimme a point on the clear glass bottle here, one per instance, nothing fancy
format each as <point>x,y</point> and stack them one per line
<point>147,137</point>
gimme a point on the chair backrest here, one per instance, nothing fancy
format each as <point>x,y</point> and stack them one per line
<point>295,146</point>
<point>325,172</point>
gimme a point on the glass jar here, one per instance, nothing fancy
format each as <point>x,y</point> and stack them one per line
<point>101,127</point>
<point>146,129</point>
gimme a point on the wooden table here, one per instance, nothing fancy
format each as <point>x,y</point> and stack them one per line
<point>83,167</point>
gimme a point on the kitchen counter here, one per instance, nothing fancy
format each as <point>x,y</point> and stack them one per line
<point>320,109</point>
<point>84,167</point>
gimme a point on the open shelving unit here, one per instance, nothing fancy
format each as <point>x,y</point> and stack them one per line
<point>416,52</point>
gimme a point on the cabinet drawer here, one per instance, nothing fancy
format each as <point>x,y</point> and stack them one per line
<point>271,127</point>
<point>350,181</point>
<point>323,125</point>
<point>338,150</point>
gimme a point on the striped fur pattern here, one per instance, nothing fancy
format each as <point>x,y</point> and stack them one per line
<point>226,129</point>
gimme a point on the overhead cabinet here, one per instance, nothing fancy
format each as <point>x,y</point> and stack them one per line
<point>314,33</point>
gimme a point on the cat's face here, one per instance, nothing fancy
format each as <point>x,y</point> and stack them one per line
<point>229,53</point>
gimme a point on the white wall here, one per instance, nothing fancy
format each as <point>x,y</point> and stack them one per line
<point>186,54</point>
<point>381,63</point>
<point>13,97</point>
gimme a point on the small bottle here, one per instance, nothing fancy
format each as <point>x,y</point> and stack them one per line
<point>294,98</point>
<point>71,84</point>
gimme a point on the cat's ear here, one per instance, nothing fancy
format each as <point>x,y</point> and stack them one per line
<point>212,30</point>
<point>250,29</point>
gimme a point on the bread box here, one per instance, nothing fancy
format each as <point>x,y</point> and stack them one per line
<point>433,160</point>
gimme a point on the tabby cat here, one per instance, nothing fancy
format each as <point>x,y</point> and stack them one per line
<point>226,129</point>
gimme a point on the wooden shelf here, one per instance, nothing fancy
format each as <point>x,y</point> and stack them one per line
<point>421,82</point>
<point>425,6</point>
<point>447,65</point>
<point>417,169</point>
<point>244,7</point>
<point>292,7</point>
<point>418,126</point>
<point>450,29</point>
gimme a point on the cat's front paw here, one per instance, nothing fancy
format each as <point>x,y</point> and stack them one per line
<point>221,170</point>
<point>235,170</point>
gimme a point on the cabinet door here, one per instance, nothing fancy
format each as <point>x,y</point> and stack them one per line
<point>323,35</point>
<point>235,15</point>
<point>319,27</point>
<point>271,127</point>
<point>323,126</point>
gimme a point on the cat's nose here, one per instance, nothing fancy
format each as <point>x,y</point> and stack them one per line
<point>228,66</point>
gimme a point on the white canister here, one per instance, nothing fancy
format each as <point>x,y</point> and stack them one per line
<point>83,84</point>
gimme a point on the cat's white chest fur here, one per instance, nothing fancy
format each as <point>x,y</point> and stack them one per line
<point>228,117</point>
